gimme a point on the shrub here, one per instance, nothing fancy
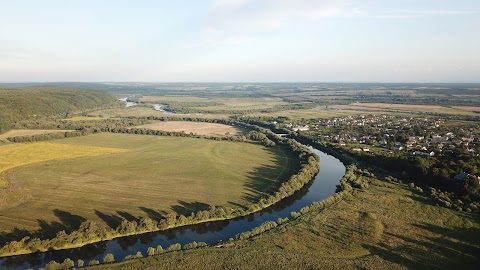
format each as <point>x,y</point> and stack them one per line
<point>151,251</point>
<point>93,262</point>
<point>108,258</point>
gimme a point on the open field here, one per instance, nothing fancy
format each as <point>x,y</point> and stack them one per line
<point>84,118</point>
<point>139,111</point>
<point>28,132</point>
<point>219,103</point>
<point>318,112</point>
<point>201,128</point>
<point>143,176</point>
<point>386,226</point>
<point>458,110</point>
<point>15,155</point>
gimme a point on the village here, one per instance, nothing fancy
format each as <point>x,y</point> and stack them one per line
<point>388,134</point>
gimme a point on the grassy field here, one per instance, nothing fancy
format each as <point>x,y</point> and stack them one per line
<point>143,176</point>
<point>378,107</point>
<point>84,118</point>
<point>28,132</point>
<point>138,111</point>
<point>221,103</point>
<point>201,128</point>
<point>384,227</point>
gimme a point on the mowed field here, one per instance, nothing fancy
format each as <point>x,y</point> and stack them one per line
<point>140,176</point>
<point>201,128</point>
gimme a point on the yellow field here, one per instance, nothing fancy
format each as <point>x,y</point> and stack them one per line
<point>15,155</point>
<point>195,127</point>
<point>26,132</point>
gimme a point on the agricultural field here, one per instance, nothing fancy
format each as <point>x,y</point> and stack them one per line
<point>408,108</point>
<point>218,103</point>
<point>200,128</point>
<point>104,177</point>
<point>387,226</point>
<point>28,132</point>
<point>140,111</point>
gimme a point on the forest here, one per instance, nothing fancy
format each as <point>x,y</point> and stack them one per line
<point>18,104</point>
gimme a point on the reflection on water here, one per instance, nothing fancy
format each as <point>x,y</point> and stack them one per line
<point>324,185</point>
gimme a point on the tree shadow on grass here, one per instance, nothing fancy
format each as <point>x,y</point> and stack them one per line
<point>111,220</point>
<point>186,208</point>
<point>265,180</point>
<point>457,248</point>
<point>153,214</point>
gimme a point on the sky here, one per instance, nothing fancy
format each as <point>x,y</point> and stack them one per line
<point>240,40</point>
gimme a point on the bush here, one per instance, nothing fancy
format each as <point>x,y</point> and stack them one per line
<point>159,249</point>
<point>93,262</point>
<point>174,247</point>
<point>151,251</point>
<point>108,258</point>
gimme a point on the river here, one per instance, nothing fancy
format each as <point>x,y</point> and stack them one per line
<point>128,103</point>
<point>324,185</point>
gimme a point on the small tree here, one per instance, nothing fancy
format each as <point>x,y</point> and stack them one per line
<point>159,249</point>
<point>108,258</point>
<point>151,251</point>
<point>138,254</point>
<point>174,247</point>
<point>80,263</point>
<point>52,265</point>
<point>93,262</point>
<point>67,264</point>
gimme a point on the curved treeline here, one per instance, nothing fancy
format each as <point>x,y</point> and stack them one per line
<point>18,104</point>
<point>90,232</point>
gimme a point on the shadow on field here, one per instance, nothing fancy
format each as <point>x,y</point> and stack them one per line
<point>456,248</point>
<point>68,223</point>
<point>186,208</point>
<point>153,214</point>
<point>266,179</point>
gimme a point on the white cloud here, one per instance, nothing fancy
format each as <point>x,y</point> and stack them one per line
<point>235,21</point>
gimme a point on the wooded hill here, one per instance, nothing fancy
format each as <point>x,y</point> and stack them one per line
<point>25,103</point>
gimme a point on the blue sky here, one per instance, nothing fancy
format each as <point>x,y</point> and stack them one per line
<point>240,40</point>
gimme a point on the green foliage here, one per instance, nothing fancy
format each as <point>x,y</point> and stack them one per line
<point>93,262</point>
<point>29,103</point>
<point>174,247</point>
<point>151,251</point>
<point>108,258</point>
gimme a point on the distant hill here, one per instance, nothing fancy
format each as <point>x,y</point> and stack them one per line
<point>25,103</point>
